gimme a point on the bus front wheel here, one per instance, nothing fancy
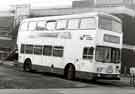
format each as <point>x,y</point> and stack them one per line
<point>27,65</point>
<point>70,72</point>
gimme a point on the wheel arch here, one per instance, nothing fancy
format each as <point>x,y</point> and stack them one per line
<point>68,65</point>
<point>27,59</point>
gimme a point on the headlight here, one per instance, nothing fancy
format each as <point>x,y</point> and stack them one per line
<point>117,69</point>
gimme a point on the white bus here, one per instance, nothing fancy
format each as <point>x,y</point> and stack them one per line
<point>86,45</point>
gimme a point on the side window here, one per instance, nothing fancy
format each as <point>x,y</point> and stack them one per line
<point>41,25</point>
<point>73,24</point>
<point>88,23</point>
<point>28,49</point>
<point>47,50</point>
<point>24,26</point>
<point>61,24</point>
<point>51,25</point>
<point>38,50</point>
<point>58,51</point>
<point>88,52</point>
<point>32,26</point>
<point>22,48</point>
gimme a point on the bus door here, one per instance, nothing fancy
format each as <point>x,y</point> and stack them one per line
<point>87,58</point>
<point>57,56</point>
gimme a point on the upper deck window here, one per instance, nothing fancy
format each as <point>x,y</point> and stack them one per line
<point>88,23</point>
<point>51,25</point>
<point>61,24</point>
<point>73,24</point>
<point>32,26</point>
<point>109,23</point>
<point>24,26</point>
<point>41,25</point>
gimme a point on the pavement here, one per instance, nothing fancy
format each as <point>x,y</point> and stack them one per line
<point>70,91</point>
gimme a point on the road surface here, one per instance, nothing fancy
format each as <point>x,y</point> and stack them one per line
<point>14,78</point>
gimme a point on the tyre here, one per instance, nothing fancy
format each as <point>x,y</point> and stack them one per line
<point>27,66</point>
<point>70,72</point>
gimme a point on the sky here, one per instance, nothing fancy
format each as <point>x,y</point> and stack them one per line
<point>6,4</point>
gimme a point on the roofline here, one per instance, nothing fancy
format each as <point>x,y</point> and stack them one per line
<point>77,15</point>
<point>62,11</point>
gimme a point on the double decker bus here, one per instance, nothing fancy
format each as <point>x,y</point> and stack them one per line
<point>86,45</point>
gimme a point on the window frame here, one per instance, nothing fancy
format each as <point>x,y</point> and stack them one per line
<point>116,59</point>
<point>54,26</point>
<point>65,25</point>
<point>36,47</point>
<point>88,55</point>
<point>78,28</point>
<point>26,51</point>
<point>88,28</point>
<point>22,49</point>
<point>21,26</point>
<point>112,20</point>
<point>29,25</point>
<point>44,24</point>
<point>50,53</point>
<point>58,48</point>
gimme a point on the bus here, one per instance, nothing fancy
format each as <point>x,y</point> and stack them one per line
<point>84,45</point>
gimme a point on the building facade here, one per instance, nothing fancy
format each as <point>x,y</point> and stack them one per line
<point>6,32</point>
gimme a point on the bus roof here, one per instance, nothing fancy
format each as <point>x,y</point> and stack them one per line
<point>79,15</point>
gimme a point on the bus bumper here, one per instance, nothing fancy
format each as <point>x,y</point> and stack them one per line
<point>108,76</point>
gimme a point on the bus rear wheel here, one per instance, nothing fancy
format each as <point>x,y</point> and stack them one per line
<point>70,72</point>
<point>27,66</point>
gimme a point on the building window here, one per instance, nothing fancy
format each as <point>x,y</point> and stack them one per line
<point>58,51</point>
<point>32,26</point>
<point>73,24</point>
<point>38,50</point>
<point>61,24</point>
<point>28,49</point>
<point>24,26</point>
<point>88,52</point>
<point>22,48</point>
<point>51,25</point>
<point>47,50</point>
<point>88,23</point>
<point>41,25</point>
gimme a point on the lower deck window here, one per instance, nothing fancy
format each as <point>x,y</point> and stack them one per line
<point>58,51</point>
<point>22,48</point>
<point>38,50</point>
<point>28,49</point>
<point>46,50</point>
